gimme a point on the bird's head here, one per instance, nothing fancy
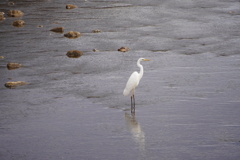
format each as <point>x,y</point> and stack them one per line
<point>144,59</point>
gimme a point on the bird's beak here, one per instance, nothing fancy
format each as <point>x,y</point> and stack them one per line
<point>147,59</point>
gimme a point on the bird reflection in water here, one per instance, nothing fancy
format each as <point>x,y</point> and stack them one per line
<point>136,131</point>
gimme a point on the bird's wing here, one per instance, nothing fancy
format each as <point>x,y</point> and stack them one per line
<point>132,83</point>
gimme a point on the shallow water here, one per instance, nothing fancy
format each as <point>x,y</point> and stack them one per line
<point>188,101</point>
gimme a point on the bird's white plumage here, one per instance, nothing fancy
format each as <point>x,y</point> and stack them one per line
<point>134,79</point>
<point>132,83</point>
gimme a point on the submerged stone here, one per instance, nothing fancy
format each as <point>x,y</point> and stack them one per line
<point>96,31</point>
<point>15,13</point>
<point>58,29</point>
<point>18,23</point>
<point>15,84</point>
<point>12,66</point>
<point>95,50</point>
<point>123,49</point>
<point>70,6</point>
<point>11,3</point>
<point>72,34</point>
<point>234,12</point>
<point>74,54</point>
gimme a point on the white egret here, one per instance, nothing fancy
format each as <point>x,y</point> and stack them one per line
<point>133,82</point>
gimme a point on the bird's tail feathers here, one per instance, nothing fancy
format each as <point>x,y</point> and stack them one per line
<point>125,92</point>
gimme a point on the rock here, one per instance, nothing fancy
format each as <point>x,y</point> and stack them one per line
<point>15,84</point>
<point>95,50</point>
<point>58,29</point>
<point>12,66</point>
<point>123,49</point>
<point>70,6</point>
<point>72,34</point>
<point>2,16</point>
<point>18,23</point>
<point>11,3</point>
<point>1,57</point>
<point>74,54</point>
<point>96,31</point>
<point>15,13</point>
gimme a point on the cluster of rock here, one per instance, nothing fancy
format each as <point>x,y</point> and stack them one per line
<point>75,34</point>
<point>14,84</point>
<point>17,23</point>
<point>70,35</point>
<point>14,13</point>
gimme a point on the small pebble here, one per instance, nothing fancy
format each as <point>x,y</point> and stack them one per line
<point>70,6</point>
<point>95,50</point>
<point>11,3</point>
<point>234,12</point>
<point>96,31</point>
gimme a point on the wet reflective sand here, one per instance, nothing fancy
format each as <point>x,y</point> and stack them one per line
<point>187,103</point>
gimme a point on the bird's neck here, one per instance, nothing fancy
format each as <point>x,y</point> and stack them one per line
<point>141,69</point>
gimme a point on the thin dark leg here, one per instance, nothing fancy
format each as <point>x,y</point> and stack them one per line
<point>131,101</point>
<point>133,104</point>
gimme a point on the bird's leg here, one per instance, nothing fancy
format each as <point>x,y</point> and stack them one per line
<point>133,103</point>
<point>132,106</point>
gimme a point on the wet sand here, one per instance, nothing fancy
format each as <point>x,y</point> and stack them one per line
<point>187,103</point>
